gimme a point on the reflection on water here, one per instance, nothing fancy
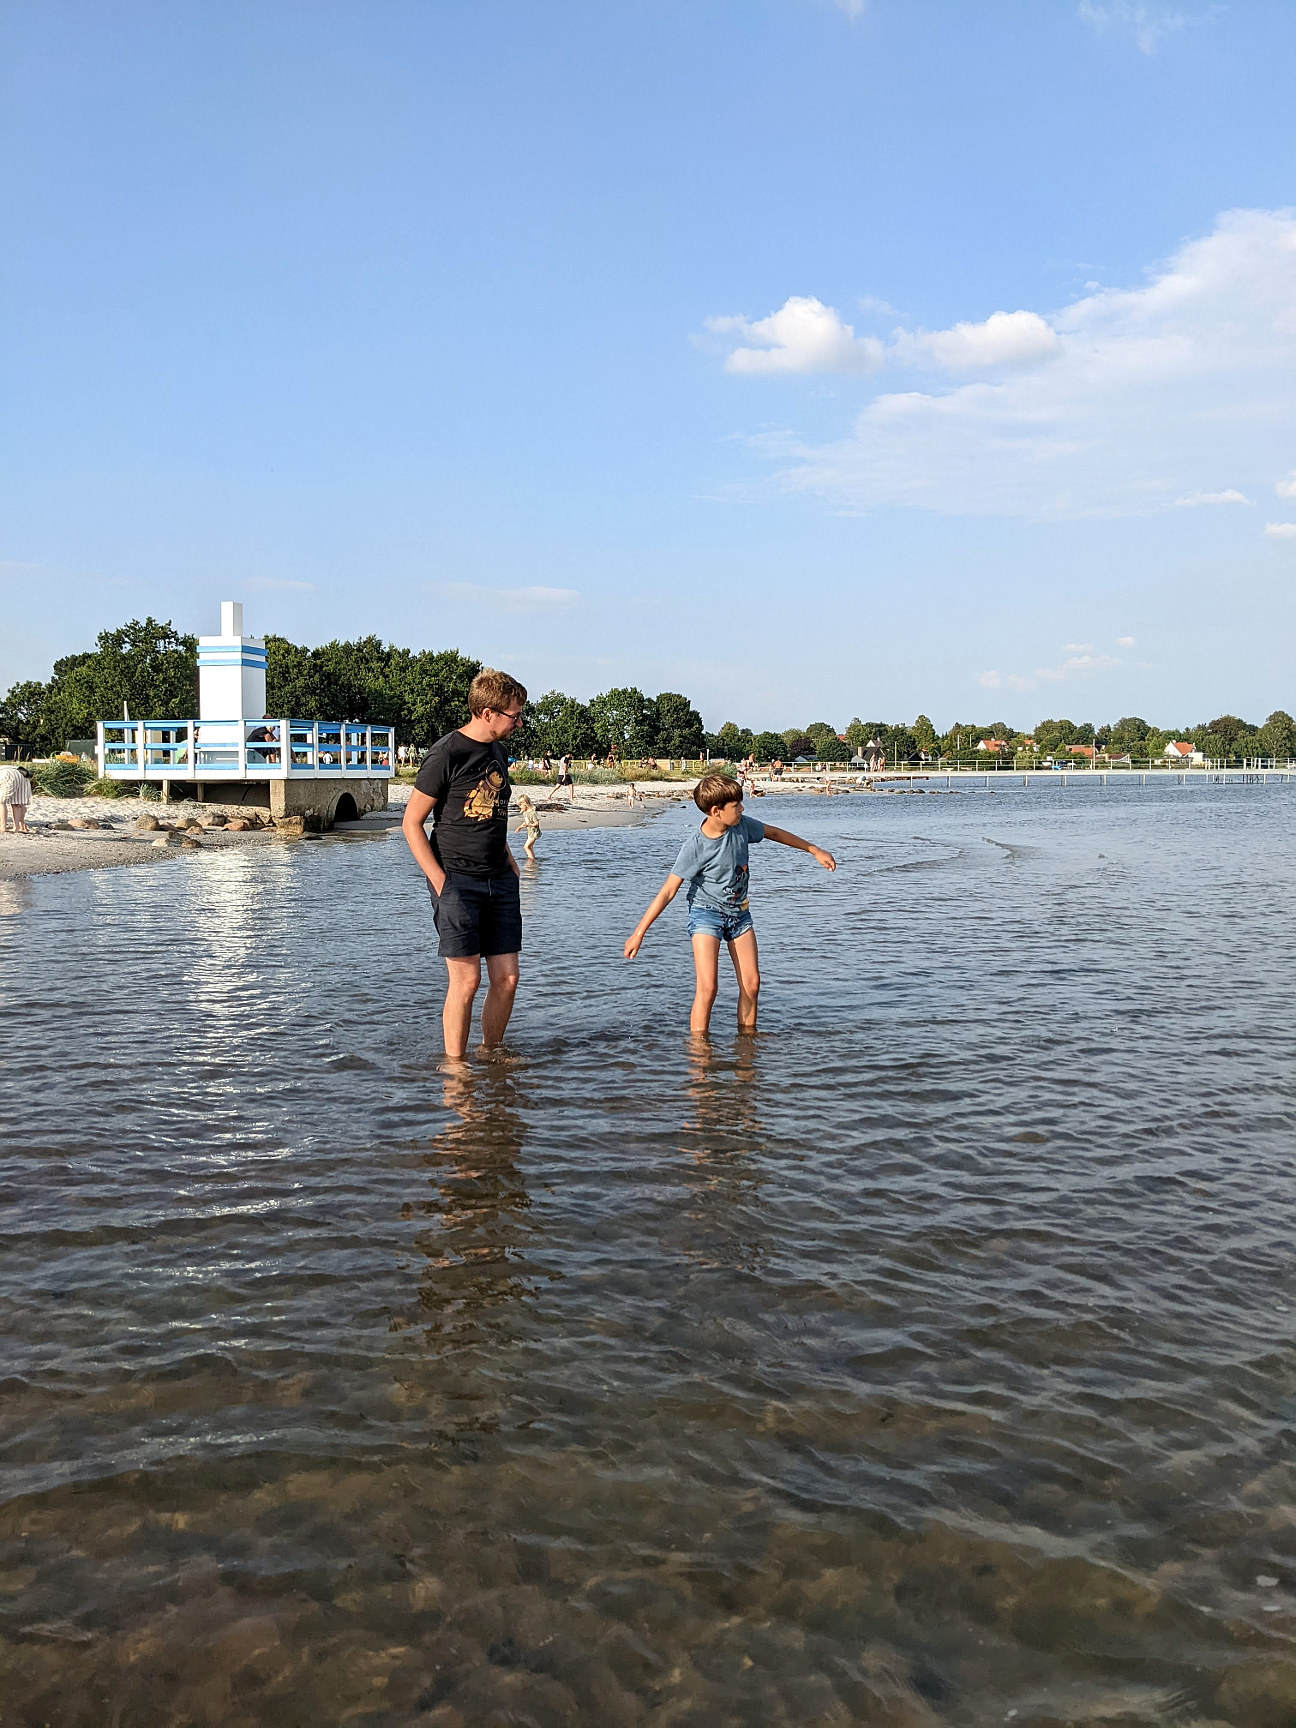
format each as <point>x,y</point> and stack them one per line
<point>928,1355</point>
<point>474,1232</point>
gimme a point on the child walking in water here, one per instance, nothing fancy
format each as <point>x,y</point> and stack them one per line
<point>714,864</point>
<point>530,822</point>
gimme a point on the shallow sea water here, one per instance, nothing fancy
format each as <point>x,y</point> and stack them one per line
<point>927,1358</point>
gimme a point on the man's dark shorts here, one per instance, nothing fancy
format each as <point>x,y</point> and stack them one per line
<point>477,915</point>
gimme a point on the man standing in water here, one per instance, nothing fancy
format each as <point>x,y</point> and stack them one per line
<point>472,876</point>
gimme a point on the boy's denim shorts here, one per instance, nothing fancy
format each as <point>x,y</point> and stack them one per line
<point>727,926</point>
<point>477,915</point>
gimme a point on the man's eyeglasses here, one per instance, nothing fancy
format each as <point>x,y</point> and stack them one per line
<point>515,716</point>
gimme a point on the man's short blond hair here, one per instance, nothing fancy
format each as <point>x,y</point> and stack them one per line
<point>713,789</point>
<point>494,690</point>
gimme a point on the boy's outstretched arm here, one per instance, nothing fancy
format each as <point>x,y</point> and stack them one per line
<point>784,838</point>
<point>661,900</point>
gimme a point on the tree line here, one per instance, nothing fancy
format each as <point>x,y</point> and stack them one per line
<point>153,669</point>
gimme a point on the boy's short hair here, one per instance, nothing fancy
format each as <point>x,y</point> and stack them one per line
<point>713,789</point>
<point>494,690</point>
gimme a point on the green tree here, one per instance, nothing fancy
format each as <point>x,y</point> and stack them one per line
<point>290,683</point>
<point>1213,745</point>
<point>679,726</point>
<point>1053,736</point>
<point>924,734</point>
<point>899,744</point>
<point>148,666</point>
<point>423,694</point>
<point>351,681</point>
<point>857,734</point>
<point>821,732</point>
<point>799,744</point>
<point>1128,737</point>
<point>1229,727</point>
<point>768,746</point>
<point>732,741</point>
<point>624,717</point>
<point>22,717</point>
<point>562,725</point>
<point>1277,737</point>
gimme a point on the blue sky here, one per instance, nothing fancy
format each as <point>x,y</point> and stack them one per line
<point>814,358</point>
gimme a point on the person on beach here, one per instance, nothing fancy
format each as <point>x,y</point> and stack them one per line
<point>15,796</point>
<point>472,876</point>
<point>565,777</point>
<point>530,824</point>
<point>713,862</point>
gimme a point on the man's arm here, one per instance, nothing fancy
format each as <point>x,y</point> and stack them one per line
<point>661,900</point>
<point>417,812</point>
<point>797,844</point>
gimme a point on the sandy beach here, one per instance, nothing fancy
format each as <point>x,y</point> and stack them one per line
<point>58,844</point>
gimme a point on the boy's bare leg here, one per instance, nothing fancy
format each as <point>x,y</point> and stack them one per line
<point>502,972</point>
<point>463,977</point>
<point>706,964</point>
<point>747,967</point>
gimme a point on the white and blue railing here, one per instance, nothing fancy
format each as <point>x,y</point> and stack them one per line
<point>243,749</point>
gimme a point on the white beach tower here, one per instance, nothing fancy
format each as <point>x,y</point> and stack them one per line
<point>231,670</point>
<point>233,752</point>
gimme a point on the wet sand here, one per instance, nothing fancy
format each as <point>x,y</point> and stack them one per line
<point>52,849</point>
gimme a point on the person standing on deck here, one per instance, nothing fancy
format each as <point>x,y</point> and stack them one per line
<point>472,876</point>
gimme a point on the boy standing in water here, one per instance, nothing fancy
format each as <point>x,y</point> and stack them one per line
<point>471,874</point>
<point>714,864</point>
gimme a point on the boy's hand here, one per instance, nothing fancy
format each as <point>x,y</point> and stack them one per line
<point>822,857</point>
<point>632,945</point>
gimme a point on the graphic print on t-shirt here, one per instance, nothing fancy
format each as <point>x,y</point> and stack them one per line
<point>483,801</point>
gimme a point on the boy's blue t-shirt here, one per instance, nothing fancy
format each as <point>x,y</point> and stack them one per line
<point>716,870</point>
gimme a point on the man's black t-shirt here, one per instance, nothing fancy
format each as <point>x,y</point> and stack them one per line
<point>469,787</point>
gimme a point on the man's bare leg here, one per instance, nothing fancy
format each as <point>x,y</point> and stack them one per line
<point>742,952</point>
<point>462,979</point>
<point>706,964</point>
<point>502,972</point>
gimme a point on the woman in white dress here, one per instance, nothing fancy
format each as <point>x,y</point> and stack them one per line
<point>15,796</point>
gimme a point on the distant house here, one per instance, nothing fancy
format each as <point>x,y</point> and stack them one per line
<point>1082,750</point>
<point>995,746</point>
<point>1118,760</point>
<point>1187,755</point>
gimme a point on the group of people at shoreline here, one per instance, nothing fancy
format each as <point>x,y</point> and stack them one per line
<point>463,789</point>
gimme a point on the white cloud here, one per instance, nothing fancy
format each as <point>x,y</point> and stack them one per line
<point>804,335</point>
<point>1124,641</point>
<point>1004,339</point>
<point>852,8</point>
<point>1227,497</point>
<point>1281,530</point>
<point>510,599</point>
<point>1287,488</point>
<point>1148,25</point>
<point>1080,662</point>
<point>1152,391</point>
